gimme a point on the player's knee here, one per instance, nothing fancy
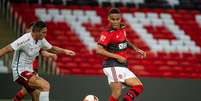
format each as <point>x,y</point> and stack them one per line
<point>117,92</point>
<point>139,87</point>
<point>45,86</point>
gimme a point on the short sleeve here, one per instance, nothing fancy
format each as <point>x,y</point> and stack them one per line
<point>104,39</point>
<point>45,44</point>
<point>19,43</point>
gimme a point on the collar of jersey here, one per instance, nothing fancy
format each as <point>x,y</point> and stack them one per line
<point>34,41</point>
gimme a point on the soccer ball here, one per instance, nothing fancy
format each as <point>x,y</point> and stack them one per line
<point>91,98</point>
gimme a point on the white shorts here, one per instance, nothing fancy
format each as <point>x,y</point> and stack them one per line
<point>118,74</point>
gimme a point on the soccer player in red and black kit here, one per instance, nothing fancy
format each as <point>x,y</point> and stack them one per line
<point>114,45</point>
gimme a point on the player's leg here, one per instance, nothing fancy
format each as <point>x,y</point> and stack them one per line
<point>35,95</point>
<point>32,82</point>
<point>116,91</point>
<point>40,84</point>
<point>20,94</point>
<point>135,85</point>
<point>112,74</point>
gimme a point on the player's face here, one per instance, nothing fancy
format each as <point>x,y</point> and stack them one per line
<point>42,33</point>
<point>115,20</point>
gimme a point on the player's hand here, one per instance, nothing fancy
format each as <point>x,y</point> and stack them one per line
<point>54,57</point>
<point>121,59</point>
<point>70,53</point>
<point>142,53</point>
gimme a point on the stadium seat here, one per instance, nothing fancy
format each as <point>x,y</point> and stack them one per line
<point>198,19</point>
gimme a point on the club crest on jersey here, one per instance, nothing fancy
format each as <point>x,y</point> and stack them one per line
<point>120,76</point>
<point>103,37</point>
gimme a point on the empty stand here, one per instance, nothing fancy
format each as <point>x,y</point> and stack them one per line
<point>171,38</point>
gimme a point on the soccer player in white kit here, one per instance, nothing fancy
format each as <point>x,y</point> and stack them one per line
<point>20,94</point>
<point>26,48</point>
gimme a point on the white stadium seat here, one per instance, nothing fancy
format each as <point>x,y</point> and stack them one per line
<point>198,19</point>
<point>152,15</point>
<point>168,22</point>
<point>138,1</point>
<point>70,18</point>
<point>157,48</point>
<point>195,49</point>
<point>139,15</point>
<point>156,22</point>
<point>173,2</point>
<point>177,42</point>
<point>59,18</point>
<point>127,16</point>
<point>83,19</point>
<point>40,11</point>
<point>90,13</point>
<point>53,12</point>
<point>78,12</point>
<point>165,16</point>
<point>144,21</point>
<point>170,48</point>
<point>45,17</point>
<point>66,12</point>
<point>96,20</point>
<point>183,49</point>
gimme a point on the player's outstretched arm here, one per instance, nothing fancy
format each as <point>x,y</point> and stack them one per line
<point>100,50</point>
<point>6,50</point>
<point>142,53</point>
<point>48,54</point>
<point>56,50</point>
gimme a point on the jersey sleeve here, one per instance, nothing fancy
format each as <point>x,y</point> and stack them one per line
<point>104,39</point>
<point>19,43</point>
<point>45,44</point>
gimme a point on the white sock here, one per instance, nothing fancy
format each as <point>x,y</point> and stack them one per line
<point>44,96</point>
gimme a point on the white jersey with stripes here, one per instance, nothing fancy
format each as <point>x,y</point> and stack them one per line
<point>26,49</point>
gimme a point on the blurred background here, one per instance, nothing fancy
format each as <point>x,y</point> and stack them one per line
<point>168,30</point>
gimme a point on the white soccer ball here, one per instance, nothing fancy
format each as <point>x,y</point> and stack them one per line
<point>91,98</point>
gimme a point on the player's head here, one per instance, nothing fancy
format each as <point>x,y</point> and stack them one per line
<point>40,29</point>
<point>29,28</point>
<point>114,17</point>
